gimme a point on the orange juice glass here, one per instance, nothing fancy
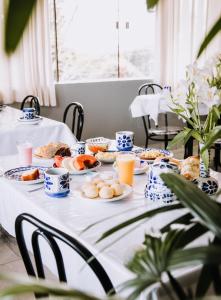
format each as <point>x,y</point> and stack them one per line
<point>125,166</point>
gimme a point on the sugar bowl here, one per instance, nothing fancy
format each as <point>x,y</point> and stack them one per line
<point>156,189</point>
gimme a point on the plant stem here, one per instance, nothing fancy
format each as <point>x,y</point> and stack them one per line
<point>167,290</point>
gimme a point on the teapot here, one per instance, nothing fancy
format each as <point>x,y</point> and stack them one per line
<point>156,189</point>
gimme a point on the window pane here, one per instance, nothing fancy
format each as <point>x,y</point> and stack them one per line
<point>87,39</point>
<point>137,39</point>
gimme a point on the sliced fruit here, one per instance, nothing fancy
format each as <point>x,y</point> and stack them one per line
<point>66,163</point>
<point>58,160</point>
<point>84,161</point>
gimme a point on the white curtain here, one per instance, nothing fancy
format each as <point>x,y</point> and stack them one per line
<point>181,27</point>
<point>29,69</point>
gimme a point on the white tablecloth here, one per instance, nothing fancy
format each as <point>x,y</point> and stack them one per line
<point>153,105</point>
<point>47,130</point>
<point>72,215</point>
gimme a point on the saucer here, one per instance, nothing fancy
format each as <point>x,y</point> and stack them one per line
<point>36,120</point>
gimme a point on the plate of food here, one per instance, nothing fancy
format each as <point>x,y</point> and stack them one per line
<point>107,157</point>
<point>26,175</point>
<point>50,150</point>
<point>150,154</point>
<point>104,190</point>
<point>78,165</point>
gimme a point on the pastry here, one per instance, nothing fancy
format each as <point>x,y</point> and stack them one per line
<point>32,174</point>
<point>151,155</point>
<point>190,167</point>
<point>52,149</point>
<point>117,189</point>
<point>101,184</point>
<point>91,191</point>
<point>106,192</point>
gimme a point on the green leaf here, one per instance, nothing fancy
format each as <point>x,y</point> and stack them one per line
<point>185,219</point>
<point>17,17</point>
<point>23,285</point>
<point>202,206</point>
<point>151,3</point>
<point>145,215</point>
<point>197,136</point>
<point>180,137</point>
<point>213,136</point>
<point>212,33</point>
<point>195,256</point>
<point>192,234</point>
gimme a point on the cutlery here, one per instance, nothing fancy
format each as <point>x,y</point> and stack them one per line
<point>36,189</point>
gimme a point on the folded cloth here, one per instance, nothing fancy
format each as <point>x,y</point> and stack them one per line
<point>144,105</point>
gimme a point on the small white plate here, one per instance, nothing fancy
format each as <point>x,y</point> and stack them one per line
<point>127,190</point>
<point>76,172</point>
<point>15,174</point>
<point>34,121</point>
<point>137,171</point>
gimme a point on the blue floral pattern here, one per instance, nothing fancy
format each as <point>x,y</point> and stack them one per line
<point>156,189</point>
<point>62,189</point>
<point>124,142</point>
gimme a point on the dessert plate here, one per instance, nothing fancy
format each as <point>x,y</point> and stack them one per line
<point>34,121</point>
<point>15,174</point>
<point>127,190</point>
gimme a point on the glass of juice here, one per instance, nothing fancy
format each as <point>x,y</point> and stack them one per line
<point>125,165</point>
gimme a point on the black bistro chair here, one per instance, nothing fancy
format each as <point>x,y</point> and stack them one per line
<point>77,118</point>
<point>31,101</point>
<point>54,238</point>
<point>163,133</point>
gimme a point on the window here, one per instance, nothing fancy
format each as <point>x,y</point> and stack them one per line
<point>101,39</point>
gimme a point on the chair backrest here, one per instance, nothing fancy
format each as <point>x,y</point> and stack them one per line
<point>149,88</point>
<point>33,102</point>
<point>52,237</point>
<point>77,118</point>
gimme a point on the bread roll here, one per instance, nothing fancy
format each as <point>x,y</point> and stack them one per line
<point>190,167</point>
<point>91,192</point>
<point>117,188</point>
<point>106,192</point>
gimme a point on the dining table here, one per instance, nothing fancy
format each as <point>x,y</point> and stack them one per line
<point>13,131</point>
<point>75,214</point>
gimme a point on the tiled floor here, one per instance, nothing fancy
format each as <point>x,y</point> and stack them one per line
<point>10,260</point>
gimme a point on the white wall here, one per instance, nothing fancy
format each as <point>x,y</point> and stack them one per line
<point>106,106</point>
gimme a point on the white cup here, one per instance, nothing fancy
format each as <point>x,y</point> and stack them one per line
<point>56,182</point>
<point>24,153</point>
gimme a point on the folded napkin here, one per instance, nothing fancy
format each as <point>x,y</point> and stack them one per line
<point>144,105</point>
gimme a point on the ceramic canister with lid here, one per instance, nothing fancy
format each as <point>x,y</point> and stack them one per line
<point>156,189</point>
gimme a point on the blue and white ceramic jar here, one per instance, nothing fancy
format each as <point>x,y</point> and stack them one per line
<point>56,182</point>
<point>29,113</point>
<point>205,182</point>
<point>79,148</point>
<point>156,189</point>
<point>124,140</point>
